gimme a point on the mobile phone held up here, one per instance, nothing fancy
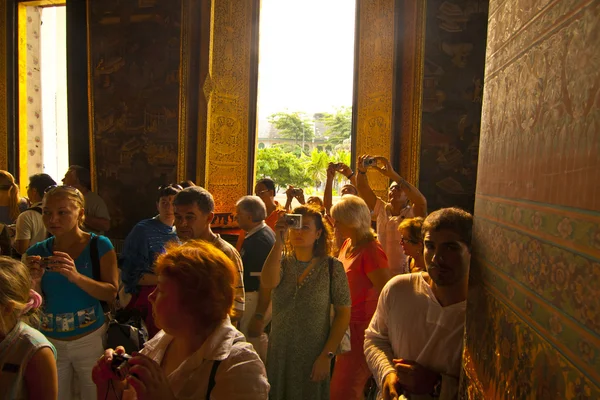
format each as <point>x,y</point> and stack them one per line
<point>293,221</point>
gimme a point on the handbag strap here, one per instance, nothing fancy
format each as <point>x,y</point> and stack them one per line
<point>96,267</point>
<point>211,378</point>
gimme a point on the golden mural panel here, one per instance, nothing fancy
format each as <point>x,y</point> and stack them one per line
<point>413,29</point>
<point>3,89</point>
<point>227,89</point>
<point>375,84</point>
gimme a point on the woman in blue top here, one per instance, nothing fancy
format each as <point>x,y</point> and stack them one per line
<point>143,244</point>
<point>72,318</point>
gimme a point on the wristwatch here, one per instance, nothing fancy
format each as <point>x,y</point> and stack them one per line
<point>330,355</point>
<point>437,388</point>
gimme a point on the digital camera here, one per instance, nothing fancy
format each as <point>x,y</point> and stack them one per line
<point>120,365</point>
<point>293,221</point>
<point>46,263</point>
<point>369,162</point>
<point>297,191</point>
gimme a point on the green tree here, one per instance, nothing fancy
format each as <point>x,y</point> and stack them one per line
<point>283,167</point>
<point>316,167</point>
<point>293,125</point>
<point>339,125</point>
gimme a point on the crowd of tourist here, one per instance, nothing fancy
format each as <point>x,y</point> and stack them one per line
<point>311,302</point>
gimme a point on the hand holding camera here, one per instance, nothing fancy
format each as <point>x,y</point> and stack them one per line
<point>140,371</point>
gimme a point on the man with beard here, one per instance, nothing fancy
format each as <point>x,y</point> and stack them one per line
<point>414,343</point>
<point>404,201</point>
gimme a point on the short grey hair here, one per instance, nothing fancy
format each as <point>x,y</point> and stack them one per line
<point>254,206</point>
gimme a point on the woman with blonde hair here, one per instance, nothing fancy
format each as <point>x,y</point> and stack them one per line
<point>305,281</point>
<point>412,243</point>
<point>11,203</point>
<point>27,358</point>
<point>75,271</point>
<point>367,268</point>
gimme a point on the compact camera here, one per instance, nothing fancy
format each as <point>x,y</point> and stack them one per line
<point>297,192</point>
<point>120,365</point>
<point>293,221</point>
<point>369,162</point>
<point>46,263</point>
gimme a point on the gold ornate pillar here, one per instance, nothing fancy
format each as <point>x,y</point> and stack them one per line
<point>227,90</point>
<point>412,34</point>
<point>375,83</point>
<point>3,89</point>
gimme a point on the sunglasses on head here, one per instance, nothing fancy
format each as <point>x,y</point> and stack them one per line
<point>67,187</point>
<point>171,185</point>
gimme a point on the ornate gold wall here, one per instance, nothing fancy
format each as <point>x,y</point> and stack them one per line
<point>533,315</point>
<point>375,83</point>
<point>227,89</point>
<point>3,89</point>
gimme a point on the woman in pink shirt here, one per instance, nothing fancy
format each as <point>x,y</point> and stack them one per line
<point>367,270</point>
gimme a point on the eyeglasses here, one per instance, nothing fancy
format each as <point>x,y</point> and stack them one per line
<point>263,191</point>
<point>404,241</point>
<point>5,187</point>
<point>66,187</point>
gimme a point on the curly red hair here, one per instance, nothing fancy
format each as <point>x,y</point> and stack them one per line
<point>205,276</point>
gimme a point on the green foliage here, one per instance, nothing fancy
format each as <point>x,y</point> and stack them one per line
<point>283,167</point>
<point>293,125</point>
<point>339,125</point>
<point>316,167</point>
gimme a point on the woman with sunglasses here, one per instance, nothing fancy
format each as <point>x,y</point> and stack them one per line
<point>368,271</point>
<point>143,244</point>
<point>62,269</point>
<point>305,281</point>
<point>412,243</point>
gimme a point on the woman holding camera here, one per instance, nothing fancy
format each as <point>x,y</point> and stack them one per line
<point>305,281</point>
<point>368,271</point>
<point>198,354</point>
<point>62,269</point>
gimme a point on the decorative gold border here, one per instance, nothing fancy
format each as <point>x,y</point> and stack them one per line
<point>375,83</point>
<point>186,16</point>
<point>413,26</point>
<point>22,95</point>
<point>3,89</point>
<point>90,87</point>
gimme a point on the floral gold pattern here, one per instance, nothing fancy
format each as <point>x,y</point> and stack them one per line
<point>535,275</point>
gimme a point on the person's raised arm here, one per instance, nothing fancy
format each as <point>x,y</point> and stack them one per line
<point>412,193</point>
<point>289,193</point>
<point>347,172</point>
<point>362,184</point>
<point>271,271</point>
<point>328,193</point>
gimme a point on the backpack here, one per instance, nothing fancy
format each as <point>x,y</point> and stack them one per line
<point>127,327</point>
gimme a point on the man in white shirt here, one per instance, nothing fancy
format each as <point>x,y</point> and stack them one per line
<point>414,343</point>
<point>404,201</point>
<point>97,217</point>
<point>194,211</point>
<point>30,227</point>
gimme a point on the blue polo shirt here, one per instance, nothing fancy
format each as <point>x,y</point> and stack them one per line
<point>68,310</point>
